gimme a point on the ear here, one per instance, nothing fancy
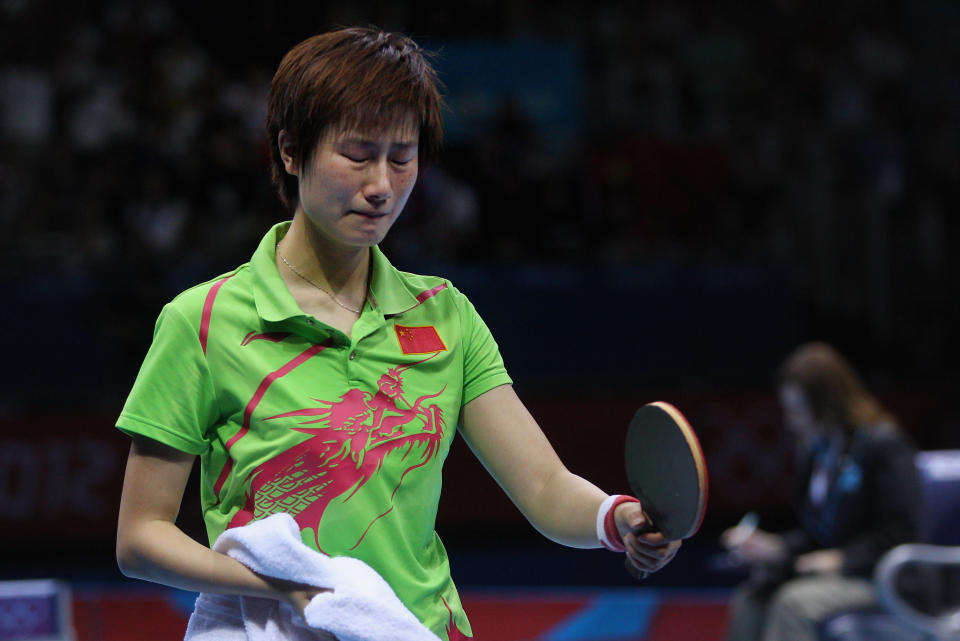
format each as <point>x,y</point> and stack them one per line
<point>286,155</point>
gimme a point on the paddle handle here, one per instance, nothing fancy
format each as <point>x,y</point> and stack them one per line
<point>632,571</point>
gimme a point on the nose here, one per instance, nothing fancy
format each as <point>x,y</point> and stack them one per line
<point>378,189</point>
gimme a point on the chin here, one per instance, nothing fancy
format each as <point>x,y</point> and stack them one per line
<point>364,240</point>
<point>368,237</point>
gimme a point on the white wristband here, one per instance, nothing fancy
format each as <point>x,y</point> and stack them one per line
<point>613,546</point>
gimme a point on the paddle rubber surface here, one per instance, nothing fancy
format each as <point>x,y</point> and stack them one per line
<point>666,469</point>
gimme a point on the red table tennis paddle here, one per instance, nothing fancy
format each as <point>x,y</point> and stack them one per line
<point>666,471</point>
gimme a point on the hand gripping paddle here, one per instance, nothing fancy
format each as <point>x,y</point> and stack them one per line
<point>667,472</point>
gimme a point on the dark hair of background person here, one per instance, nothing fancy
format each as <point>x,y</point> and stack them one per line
<point>835,392</point>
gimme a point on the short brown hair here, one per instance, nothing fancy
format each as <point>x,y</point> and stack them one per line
<point>358,77</point>
<point>834,390</point>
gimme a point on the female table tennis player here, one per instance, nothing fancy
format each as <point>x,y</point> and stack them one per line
<point>859,498</point>
<point>318,380</point>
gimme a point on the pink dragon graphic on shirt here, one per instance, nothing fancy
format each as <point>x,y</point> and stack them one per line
<point>346,448</point>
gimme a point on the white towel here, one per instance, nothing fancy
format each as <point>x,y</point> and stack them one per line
<point>362,606</point>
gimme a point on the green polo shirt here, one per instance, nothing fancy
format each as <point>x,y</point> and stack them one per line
<point>347,434</point>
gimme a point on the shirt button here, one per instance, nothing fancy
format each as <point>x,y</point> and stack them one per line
<point>353,355</point>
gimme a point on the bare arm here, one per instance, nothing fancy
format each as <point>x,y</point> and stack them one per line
<point>559,504</point>
<point>150,546</point>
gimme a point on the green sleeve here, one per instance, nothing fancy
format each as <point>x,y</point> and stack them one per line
<point>173,399</point>
<point>483,367</point>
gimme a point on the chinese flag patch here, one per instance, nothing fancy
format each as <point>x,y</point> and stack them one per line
<point>419,340</point>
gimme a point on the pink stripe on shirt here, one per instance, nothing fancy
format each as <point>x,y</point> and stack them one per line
<point>208,311</point>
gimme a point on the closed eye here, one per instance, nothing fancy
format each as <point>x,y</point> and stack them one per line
<point>360,151</point>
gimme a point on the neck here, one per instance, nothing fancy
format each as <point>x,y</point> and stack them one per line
<point>344,270</point>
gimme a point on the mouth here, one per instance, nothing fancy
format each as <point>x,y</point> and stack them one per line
<point>371,215</point>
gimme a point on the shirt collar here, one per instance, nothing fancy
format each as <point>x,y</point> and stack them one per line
<point>271,296</point>
<point>388,289</point>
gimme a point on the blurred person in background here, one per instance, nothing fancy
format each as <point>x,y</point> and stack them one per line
<point>859,497</point>
<point>319,381</point>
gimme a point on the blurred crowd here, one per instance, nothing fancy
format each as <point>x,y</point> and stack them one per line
<point>822,138</point>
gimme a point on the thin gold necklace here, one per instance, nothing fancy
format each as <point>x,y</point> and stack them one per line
<point>322,289</point>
